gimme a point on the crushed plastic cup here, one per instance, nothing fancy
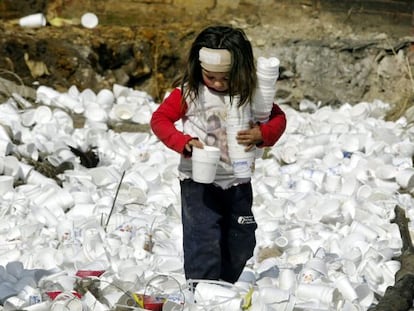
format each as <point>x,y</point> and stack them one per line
<point>53,294</point>
<point>6,147</point>
<point>89,273</point>
<point>153,303</point>
<point>208,293</point>
<point>405,178</point>
<point>204,163</point>
<point>66,301</point>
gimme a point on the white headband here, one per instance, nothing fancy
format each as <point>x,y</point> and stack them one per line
<point>215,60</point>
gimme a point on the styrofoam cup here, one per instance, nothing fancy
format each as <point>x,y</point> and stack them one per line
<point>266,80</point>
<point>268,65</point>
<point>89,20</point>
<point>105,98</point>
<point>323,293</point>
<point>124,111</point>
<point>405,178</point>
<point>206,291</point>
<point>66,301</point>
<point>345,287</point>
<point>264,97</point>
<point>287,279</point>
<point>261,116</point>
<point>33,20</point>
<point>242,162</point>
<point>205,162</point>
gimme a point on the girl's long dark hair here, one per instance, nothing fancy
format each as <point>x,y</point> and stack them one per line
<point>242,75</point>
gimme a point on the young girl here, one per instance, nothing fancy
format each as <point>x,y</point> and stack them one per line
<point>218,224</point>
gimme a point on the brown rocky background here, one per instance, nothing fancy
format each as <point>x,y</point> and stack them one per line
<point>331,52</point>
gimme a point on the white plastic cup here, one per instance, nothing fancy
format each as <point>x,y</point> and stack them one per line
<point>6,184</point>
<point>242,163</point>
<point>332,183</point>
<point>324,294</point>
<point>281,242</point>
<point>360,111</point>
<point>235,123</point>
<point>232,143</point>
<point>95,113</point>
<point>287,279</point>
<point>70,102</point>
<point>43,114</point>
<point>204,164</point>
<point>33,20</point>
<point>405,178</point>
<point>365,230</point>
<point>66,302</point>
<point>365,295</point>
<point>105,98</point>
<point>265,79</point>
<point>309,275</point>
<point>344,286</point>
<point>273,295</point>
<point>261,116</point>
<point>206,291</point>
<point>14,303</point>
<point>248,275</point>
<point>124,111</point>
<point>305,186</point>
<point>318,264</point>
<point>268,65</point>
<point>263,98</point>
<point>89,20</point>
<point>11,166</point>
<point>364,192</point>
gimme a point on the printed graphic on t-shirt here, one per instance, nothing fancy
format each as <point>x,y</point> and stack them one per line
<point>216,135</point>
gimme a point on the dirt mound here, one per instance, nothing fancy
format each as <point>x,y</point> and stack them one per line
<point>328,57</point>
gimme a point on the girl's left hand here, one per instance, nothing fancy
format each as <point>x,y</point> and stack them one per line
<point>251,137</point>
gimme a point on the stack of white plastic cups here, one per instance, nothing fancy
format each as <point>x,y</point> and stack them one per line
<point>267,75</point>
<point>238,119</point>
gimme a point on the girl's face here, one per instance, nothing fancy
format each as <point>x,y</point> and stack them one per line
<point>218,81</point>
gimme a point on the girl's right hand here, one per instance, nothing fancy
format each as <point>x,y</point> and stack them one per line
<point>193,143</point>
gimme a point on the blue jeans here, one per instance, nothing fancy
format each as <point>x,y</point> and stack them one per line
<point>218,230</point>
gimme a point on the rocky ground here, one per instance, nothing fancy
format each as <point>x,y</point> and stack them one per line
<point>326,57</point>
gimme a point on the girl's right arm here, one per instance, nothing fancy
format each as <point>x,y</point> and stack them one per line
<point>163,122</point>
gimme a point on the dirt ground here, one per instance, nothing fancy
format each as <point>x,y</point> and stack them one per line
<point>142,46</point>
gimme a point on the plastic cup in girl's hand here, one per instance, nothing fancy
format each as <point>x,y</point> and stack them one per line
<point>205,164</point>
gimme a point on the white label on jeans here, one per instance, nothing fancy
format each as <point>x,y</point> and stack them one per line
<point>246,220</point>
